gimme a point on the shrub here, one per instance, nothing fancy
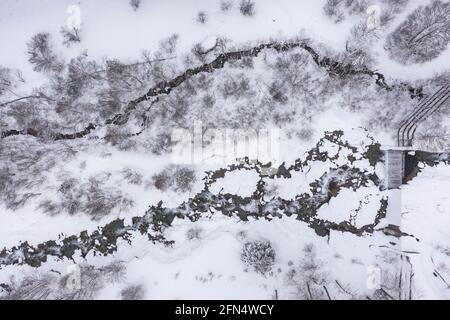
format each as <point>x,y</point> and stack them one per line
<point>236,87</point>
<point>201,17</point>
<point>247,8</point>
<point>305,133</point>
<point>119,137</point>
<point>40,54</point>
<point>184,178</point>
<point>178,178</point>
<point>132,176</point>
<point>162,181</point>
<point>194,233</point>
<point>135,4</point>
<point>133,292</point>
<point>333,9</point>
<point>337,9</point>
<point>100,201</point>
<point>258,255</point>
<point>208,101</point>
<point>278,92</point>
<point>169,45</point>
<point>226,5</point>
<point>70,36</point>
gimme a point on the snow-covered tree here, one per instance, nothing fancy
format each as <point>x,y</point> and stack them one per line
<point>40,54</point>
<point>422,36</point>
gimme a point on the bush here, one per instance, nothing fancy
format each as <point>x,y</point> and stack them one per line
<point>161,144</point>
<point>135,4</point>
<point>169,45</point>
<point>184,178</point>
<point>133,292</point>
<point>162,181</point>
<point>247,8</point>
<point>119,137</point>
<point>305,133</point>
<point>236,87</point>
<point>92,198</point>
<point>208,101</point>
<point>194,233</point>
<point>278,92</point>
<point>40,54</point>
<point>201,17</point>
<point>70,36</point>
<point>226,5</point>
<point>100,201</point>
<point>333,9</point>
<point>337,9</point>
<point>258,255</point>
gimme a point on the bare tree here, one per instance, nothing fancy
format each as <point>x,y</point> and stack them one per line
<point>422,36</point>
<point>41,55</point>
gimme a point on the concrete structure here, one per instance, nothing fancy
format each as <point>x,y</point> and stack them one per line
<point>395,167</point>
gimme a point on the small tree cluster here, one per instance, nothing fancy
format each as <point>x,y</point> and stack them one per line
<point>133,292</point>
<point>92,198</point>
<point>237,86</point>
<point>201,17</point>
<point>131,176</point>
<point>337,9</point>
<point>226,5</point>
<point>49,286</point>
<point>119,136</point>
<point>194,233</point>
<point>422,36</point>
<point>178,178</point>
